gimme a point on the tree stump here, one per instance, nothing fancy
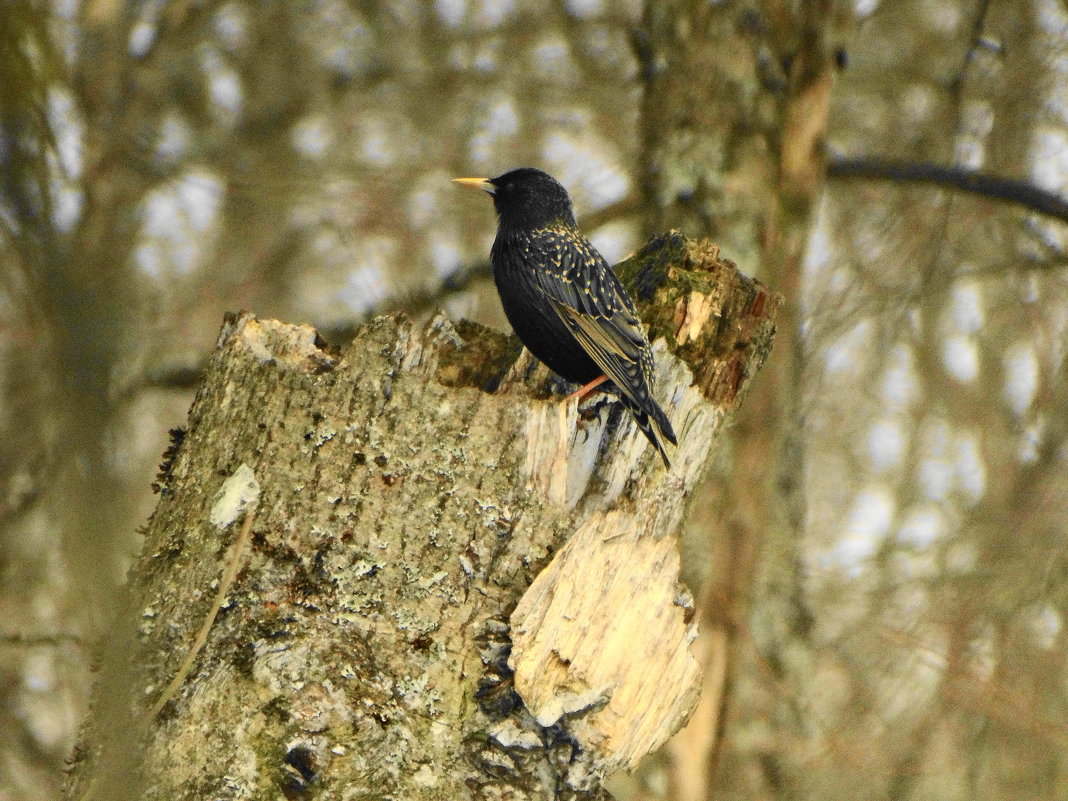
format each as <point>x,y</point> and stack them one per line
<point>407,569</point>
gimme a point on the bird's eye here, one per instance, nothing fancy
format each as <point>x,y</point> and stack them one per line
<point>510,187</point>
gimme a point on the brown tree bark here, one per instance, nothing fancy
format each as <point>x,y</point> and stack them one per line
<point>354,549</point>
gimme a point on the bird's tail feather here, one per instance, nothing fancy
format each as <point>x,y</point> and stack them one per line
<point>655,425</point>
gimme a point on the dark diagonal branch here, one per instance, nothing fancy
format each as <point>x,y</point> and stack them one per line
<point>1010,190</point>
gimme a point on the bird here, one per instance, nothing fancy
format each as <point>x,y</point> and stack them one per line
<point>564,301</point>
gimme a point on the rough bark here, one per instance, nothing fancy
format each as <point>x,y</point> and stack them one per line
<point>331,590</point>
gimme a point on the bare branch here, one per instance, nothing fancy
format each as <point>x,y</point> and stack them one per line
<point>1010,190</point>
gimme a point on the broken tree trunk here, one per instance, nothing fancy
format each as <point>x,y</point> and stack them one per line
<point>354,550</point>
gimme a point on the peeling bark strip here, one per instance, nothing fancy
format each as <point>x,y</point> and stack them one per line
<point>401,513</point>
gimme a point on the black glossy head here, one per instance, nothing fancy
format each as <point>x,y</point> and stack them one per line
<point>530,198</point>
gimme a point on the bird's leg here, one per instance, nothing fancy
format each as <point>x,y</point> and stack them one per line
<point>586,389</point>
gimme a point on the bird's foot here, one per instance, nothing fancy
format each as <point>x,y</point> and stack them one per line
<point>593,411</point>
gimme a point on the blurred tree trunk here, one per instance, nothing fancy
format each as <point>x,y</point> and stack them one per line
<point>65,290</point>
<point>734,117</point>
<point>329,592</point>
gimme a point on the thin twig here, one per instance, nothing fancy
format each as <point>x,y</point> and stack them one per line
<point>229,574</point>
<point>31,640</point>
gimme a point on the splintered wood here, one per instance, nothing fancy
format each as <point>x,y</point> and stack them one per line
<point>603,636</point>
<point>602,641</point>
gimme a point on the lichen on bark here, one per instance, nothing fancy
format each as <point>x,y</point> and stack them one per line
<point>411,487</point>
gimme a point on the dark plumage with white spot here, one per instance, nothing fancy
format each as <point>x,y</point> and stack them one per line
<point>563,299</point>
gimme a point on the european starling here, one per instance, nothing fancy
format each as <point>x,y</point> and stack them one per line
<point>564,301</point>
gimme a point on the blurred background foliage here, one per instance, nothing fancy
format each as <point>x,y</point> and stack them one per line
<point>882,555</point>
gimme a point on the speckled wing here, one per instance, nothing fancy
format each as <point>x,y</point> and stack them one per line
<point>587,295</point>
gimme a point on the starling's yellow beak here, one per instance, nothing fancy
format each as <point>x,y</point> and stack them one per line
<point>476,183</point>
